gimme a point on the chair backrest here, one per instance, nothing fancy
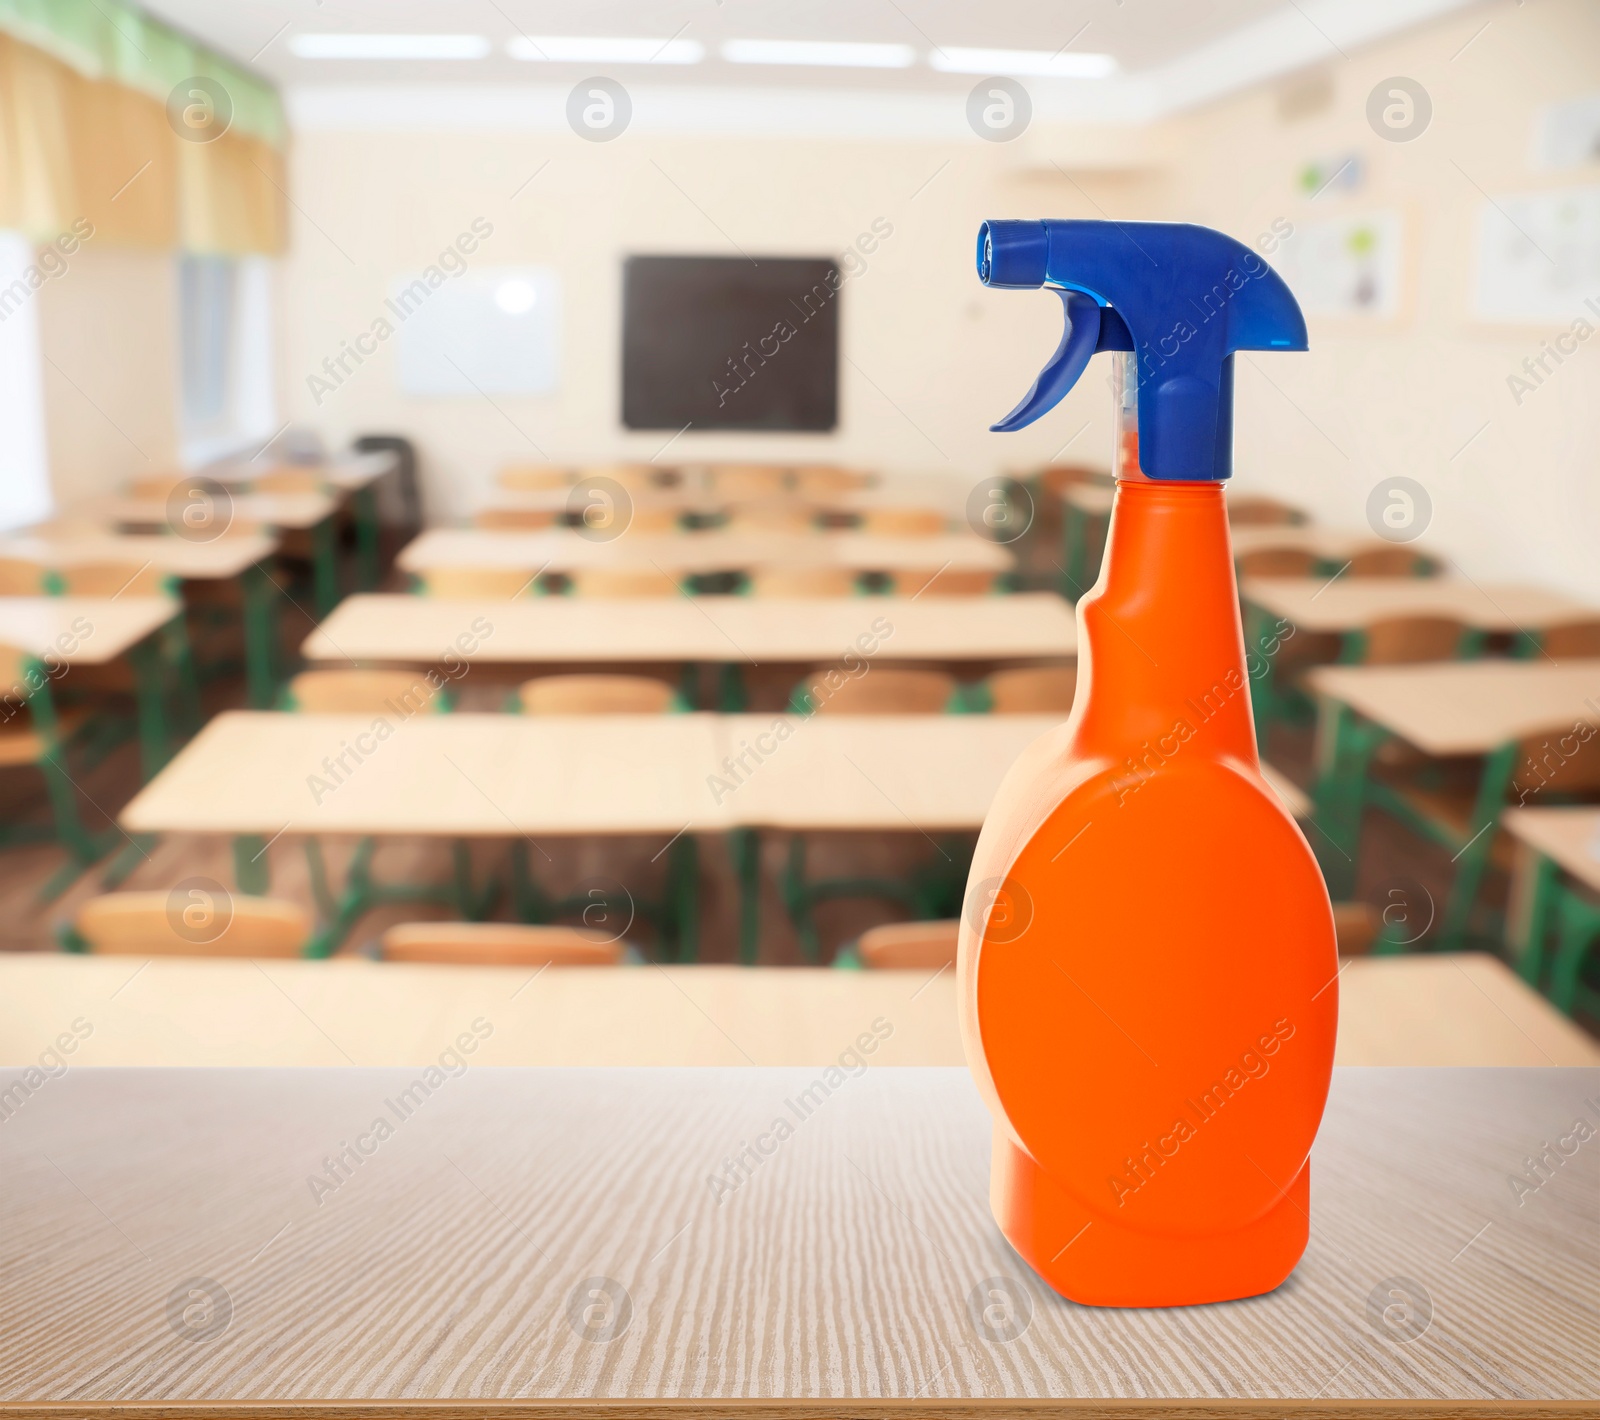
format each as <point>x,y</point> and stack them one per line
<point>1575,639</point>
<point>1559,761</point>
<point>882,690</point>
<point>904,522</point>
<point>1407,640</point>
<point>14,666</point>
<point>533,477</point>
<point>656,519</point>
<point>361,691</point>
<point>826,480</point>
<point>1355,928</point>
<point>156,487</point>
<point>803,582</point>
<point>924,946</point>
<point>623,582</point>
<point>1058,478</point>
<point>494,584</point>
<point>749,480</point>
<point>1256,511</point>
<point>113,579</point>
<point>772,516</point>
<point>192,923</point>
<point>515,519</point>
<point>289,479</point>
<point>1277,562</point>
<point>635,477</point>
<point>20,578</point>
<point>499,944</point>
<point>942,582</point>
<point>1387,562</point>
<point>596,695</point>
<point>1033,690</point>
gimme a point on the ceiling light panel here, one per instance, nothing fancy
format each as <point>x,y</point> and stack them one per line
<point>825,53</point>
<point>388,46</point>
<point>604,49</point>
<point>1040,63</point>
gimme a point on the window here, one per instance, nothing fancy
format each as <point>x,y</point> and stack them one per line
<point>24,466</point>
<point>228,404</point>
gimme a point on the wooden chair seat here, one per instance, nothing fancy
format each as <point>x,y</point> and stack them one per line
<point>1576,639</point>
<point>1388,562</point>
<point>942,582</point>
<point>1033,690</point>
<point>495,584</point>
<point>923,946</point>
<point>883,690</point>
<point>803,582</point>
<point>904,522</point>
<point>167,923</point>
<point>1451,807</point>
<point>360,691</point>
<point>1277,562</point>
<point>499,944</point>
<point>21,744</point>
<point>596,695</point>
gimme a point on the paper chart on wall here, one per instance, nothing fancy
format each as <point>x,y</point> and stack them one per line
<point>1538,256</point>
<point>1347,266</point>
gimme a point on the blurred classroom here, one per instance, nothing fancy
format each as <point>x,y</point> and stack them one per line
<point>498,511</point>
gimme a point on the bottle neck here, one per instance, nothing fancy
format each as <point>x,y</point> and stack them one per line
<point>1162,659</point>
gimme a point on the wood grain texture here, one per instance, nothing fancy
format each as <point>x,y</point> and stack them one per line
<point>54,626</point>
<point>1316,604</point>
<point>564,551</point>
<point>443,1266</point>
<point>1467,707</point>
<point>1458,1010</point>
<point>569,629</point>
<point>175,556</point>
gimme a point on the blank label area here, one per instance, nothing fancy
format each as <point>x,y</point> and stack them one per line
<point>726,343</point>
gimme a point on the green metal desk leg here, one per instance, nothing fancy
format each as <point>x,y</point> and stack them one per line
<point>150,690</point>
<point>1261,666</point>
<point>1529,937</point>
<point>683,892</point>
<point>1473,858</point>
<point>325,565</point>
<point>1344,752</point>
<point>1074,552</point>
<point>745,847</point>
<point>251,872</point>
<point>1579,925</point>
<point>364,509</point>
<point>732,697</point>
<point>260,636</point>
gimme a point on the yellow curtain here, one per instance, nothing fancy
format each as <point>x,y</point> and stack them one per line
<point>75,149</point>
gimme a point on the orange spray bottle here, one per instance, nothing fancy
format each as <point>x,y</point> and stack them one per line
<point>1148,976</point>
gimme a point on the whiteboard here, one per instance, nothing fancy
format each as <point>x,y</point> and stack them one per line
<point>490,331</point>
<point>1346,266</point>
<point>1538,255</point>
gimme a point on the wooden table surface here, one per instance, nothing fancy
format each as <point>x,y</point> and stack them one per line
<point>1344,604</point>
<point>565,550</point>
<point>413,630</point>
<point>1467,707</point>
<point>346,473</point>
<point>502,775</point>
<point>87,631</point>
<point>1332,544</point>
<point>176,556</point>
<point>1465,1009</point>
<point>565,1242</point>
<point>1569,837</point>
<point>291,511</point>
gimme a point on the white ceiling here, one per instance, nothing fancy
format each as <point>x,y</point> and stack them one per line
<point>1170,54</point>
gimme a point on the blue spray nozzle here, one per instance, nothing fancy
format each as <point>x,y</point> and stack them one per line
<point>1182,299</point>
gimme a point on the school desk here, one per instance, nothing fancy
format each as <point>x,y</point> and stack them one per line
<point>1333,547</point>
<point>1085,511</point>
<point>1346,606</point>
<point>1479,708</point>
<point>256,776</point>
<point>242,558</point>
<point>310,514</point>
<point>1553,920</point>
<point>566,550</point>
<point>411,630</point>
<point>200,1244</point>
<point>94,631</point>
<point>1433,1009</point>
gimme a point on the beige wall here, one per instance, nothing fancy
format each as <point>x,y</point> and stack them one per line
<point>1522,499</point>
<point>108,329</point>
<point>930,357</point>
